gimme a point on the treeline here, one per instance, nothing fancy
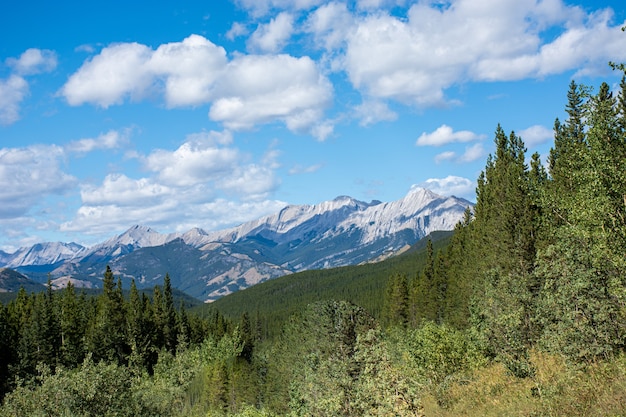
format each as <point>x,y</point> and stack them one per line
<point>541,262</point>
<point>61,329</point>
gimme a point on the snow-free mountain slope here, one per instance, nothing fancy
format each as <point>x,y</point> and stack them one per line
<point>11,281</point>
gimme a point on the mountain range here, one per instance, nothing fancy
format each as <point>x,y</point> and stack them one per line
<point>209,265</point>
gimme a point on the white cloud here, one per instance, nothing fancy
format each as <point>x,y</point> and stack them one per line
<point>330,25</point>
<point>445,156</point>
<point>121,191</point>
<point>182,187</point>
<point>263,7</point>
<point>85,48</point>
<point>252,182</point>
<point>370,112</point>
<point>12,92</point>
<point>321,131</point>
<point>473,153</point>
<point>378,4</point>
<point>535,135</point>
<point>108,78</point>
<point>236,30</point>
<point>264,88</point>
<point>190,69</point>
<point>30,174</point>
<point>110,140</point>
<point>195,162</point>
<point>444,135</point>
<point>14,89</point>
<point>272,36</point>
<point>248,90</point>
<point>435,47</point>
<point>34,61</point>
<point>299,169</point>
<point>451,185</point>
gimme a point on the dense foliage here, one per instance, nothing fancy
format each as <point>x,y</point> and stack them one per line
<point>522,311</point>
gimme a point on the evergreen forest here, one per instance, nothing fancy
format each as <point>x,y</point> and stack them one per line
<point>521,311</point>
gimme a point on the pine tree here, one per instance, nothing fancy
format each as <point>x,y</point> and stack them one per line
<point>40,336</point>
<point>440,287</point>
<point>169,316</point>
<point>396,307</point>
<point>247,337</point>
<point>7,350</point>
<point>566,157</point>
<point>137,330</point>
<point>106,338</point>
<point>424,290</point>
<point>582,302</point>
<point>503,244</point>
<point>72,324</point>
<point>184,329</point>
<point>158,318</point>
<point>459,275</point>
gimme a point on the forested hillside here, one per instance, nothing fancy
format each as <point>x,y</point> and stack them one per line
<point>523,312</point>
<point>273,302</point>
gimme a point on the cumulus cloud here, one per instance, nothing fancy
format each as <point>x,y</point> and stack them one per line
<point>371,112</point>
<point>182,186</point>
<point>243,92</point>
<point>12,91</point>
<point>259,8</point>
<point>536,135</point>
<point>473,153</point>
<point>322,130</point>
<point>34,61</point>
<point>434,47</point>
<point>445,156</point>
<point>188,70</point>
<point>272,36</point>
<point>378,4</point>
<point>236,30</point>
<point>110,140</point>
<point>444,135</point>
<point>252,182</point>
<point>30,174</point>
<point>258,89</point>
<point>451,185</point>
<point>330,25</point>
<point>121,191</point>
<point>195,162</point>
<point>108,78</point>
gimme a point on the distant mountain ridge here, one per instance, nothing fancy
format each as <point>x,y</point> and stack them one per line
<point>208,265</point>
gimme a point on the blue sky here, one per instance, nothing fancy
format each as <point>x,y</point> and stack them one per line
<point>210,114</point>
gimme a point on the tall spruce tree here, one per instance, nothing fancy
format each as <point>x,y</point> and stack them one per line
<point>137,330</point>
<point>106,337</point>
<point>424,300</point>
<point>582,302</point>
<point>396,302</point>
<point>73,325</point>
<point>503,246</point>
<point>170,327</point>
<point>7,350</point>
<point>459,274</point>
